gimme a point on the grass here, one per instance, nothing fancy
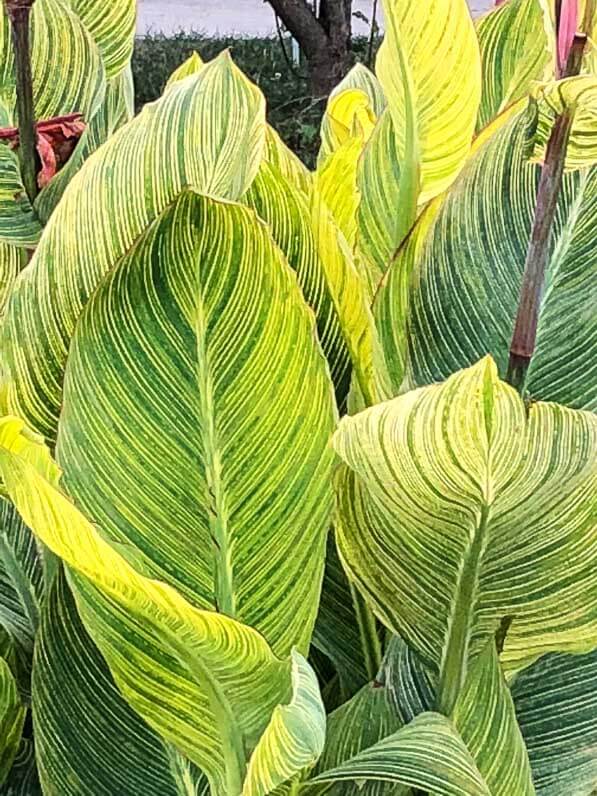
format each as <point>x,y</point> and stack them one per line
<point>291,108</point>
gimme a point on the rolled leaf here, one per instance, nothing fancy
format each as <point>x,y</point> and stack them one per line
<point>449,487</point>
<point>294,737</point>
<point>576,96</point>
<point>19,224</point>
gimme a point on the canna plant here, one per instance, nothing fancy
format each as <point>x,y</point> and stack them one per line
<point>298,468</point>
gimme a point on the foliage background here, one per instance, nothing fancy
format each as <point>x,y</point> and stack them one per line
<point>294,113</point>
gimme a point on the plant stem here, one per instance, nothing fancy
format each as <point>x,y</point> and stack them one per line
<point>18,12</point>
<point>524,339</point>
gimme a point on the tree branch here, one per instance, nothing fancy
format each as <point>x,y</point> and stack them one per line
<point>298,17</point>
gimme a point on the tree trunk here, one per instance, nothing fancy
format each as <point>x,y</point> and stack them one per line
<point>325,40</point>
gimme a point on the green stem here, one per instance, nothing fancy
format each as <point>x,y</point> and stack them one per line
<point>18,12</point>
<point>370,643</point>
<point>453,669</point>
<point>233,747</point>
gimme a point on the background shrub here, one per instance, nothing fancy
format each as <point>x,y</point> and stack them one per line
<point>292,110</point>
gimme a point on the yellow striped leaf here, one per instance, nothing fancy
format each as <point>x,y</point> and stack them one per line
<point>430,71</point>
<point>68,72</point>
<point>112,25</point>
<point>427,754</point>
<point>284,207</point>
<point>358,94</point>
<point>116,109</point>
<point>207,131</point>
<point>19,225</point>
<point>12,717</point>
<point>470,257</point>
<point>12,261</point>
<point>221,408</point>
<point>556,708</point>
<point>447,490</point>
<point>204,681</point>
<point>516,42</point>
<point>578,97</point>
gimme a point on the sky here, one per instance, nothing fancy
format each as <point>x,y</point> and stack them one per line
<point>249,17</point>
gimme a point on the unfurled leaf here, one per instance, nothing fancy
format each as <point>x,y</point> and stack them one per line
<point>112,23</point>
<point>12,717</point>
<point>88,740</point>
<point>484,716</point>
<point>217,467</point>
<point>294,737</point>
<point>516,52</point>
<point>204,681</point>
<point>208,131</point>
<point>460,297</point>
<point>446,491</point>
<point>410,687</point>
<point>428,754</point>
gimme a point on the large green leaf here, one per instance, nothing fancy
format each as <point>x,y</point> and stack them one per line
<point>355,726</point>
<point>453,295</point>
<point>12,716</point>
<point>88,740</point>
<point>516,52</point>
<point>484,716</point>
<point>461,507</point>
<point>204,681</point>
<point>207,131</point>
<point>217,466</point>
<point>427,754</point>
<point>556,707</point>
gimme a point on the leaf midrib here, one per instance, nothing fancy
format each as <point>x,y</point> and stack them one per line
<point>453,668</point>
<point>225,599</point>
